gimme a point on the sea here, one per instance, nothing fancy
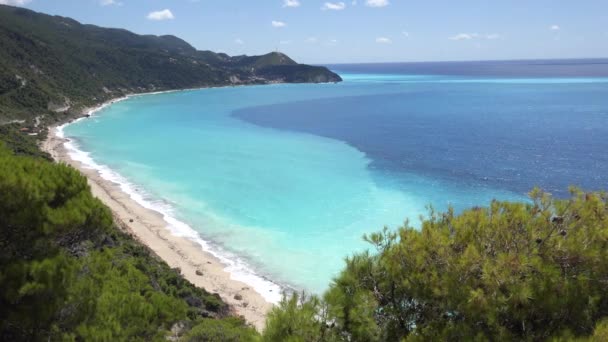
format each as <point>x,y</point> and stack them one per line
<point>282,181</point>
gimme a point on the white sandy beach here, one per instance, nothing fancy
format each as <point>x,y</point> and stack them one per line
<point>149,227</point>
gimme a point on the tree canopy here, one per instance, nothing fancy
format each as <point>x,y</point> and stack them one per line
<point>510,271</point>
<point>67,273</point>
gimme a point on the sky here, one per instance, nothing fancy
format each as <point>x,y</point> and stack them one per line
<point>356,31</point>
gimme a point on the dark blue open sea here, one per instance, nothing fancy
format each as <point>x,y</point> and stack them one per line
<point>511,125</point>
<point>283,180</point>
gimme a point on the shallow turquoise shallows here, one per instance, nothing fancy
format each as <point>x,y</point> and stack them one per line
<point>276,202</point>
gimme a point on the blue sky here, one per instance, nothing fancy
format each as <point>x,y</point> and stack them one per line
<point>317,31</point>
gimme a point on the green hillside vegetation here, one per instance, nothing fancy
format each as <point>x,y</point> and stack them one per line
<point>67,273</point>
<point>51,66</point>
<point>21,143</point>
<point>509,272</point>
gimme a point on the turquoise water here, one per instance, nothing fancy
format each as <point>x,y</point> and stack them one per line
<point>275,195</point>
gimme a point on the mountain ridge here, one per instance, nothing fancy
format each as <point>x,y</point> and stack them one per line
<point>51,67</point>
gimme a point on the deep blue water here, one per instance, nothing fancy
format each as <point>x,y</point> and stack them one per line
<point>284,180</point>
<point>505,133</point>
<point>502,69</point>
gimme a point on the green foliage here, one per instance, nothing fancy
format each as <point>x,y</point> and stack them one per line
<point>298,318</point>
<point>66,273</point>
<point>200,302</point>
<point>42,208</point>
<point>20,143</point>
<point>600,333</point>
<point>115,301</point>
<point>226,330</point>
<point>512,271</point>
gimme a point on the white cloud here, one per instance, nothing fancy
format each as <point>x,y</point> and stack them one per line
<point>554,28</point>
<point>383,40</point>
<point>464,36</point>
<point>311,40</point>
<point>376,3</point>
<point>15,2</point>
<point>291,3</point>
<point>110,3</point>
<point>285,42</point>
<point>333,6</point>
<point>161,15</point>
<point>405,33</point>
<point>239,41</point>
<point>471,36</point>
<point>276,23</point>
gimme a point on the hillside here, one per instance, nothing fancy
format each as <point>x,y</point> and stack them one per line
<point>52,66</point>
<point>67,273</point>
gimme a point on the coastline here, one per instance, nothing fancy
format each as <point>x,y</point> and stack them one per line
<point>152,228</point>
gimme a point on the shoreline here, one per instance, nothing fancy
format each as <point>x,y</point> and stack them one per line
<point>153,229</point>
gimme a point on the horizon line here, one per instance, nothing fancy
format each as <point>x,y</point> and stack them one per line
<point>472,61</point>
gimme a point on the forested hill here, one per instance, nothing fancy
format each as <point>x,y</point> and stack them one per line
<point>52,65</point>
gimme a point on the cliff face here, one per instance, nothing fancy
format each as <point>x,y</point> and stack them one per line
<point>54,65</point>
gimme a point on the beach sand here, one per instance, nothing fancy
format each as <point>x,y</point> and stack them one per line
<point>149,227</point>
